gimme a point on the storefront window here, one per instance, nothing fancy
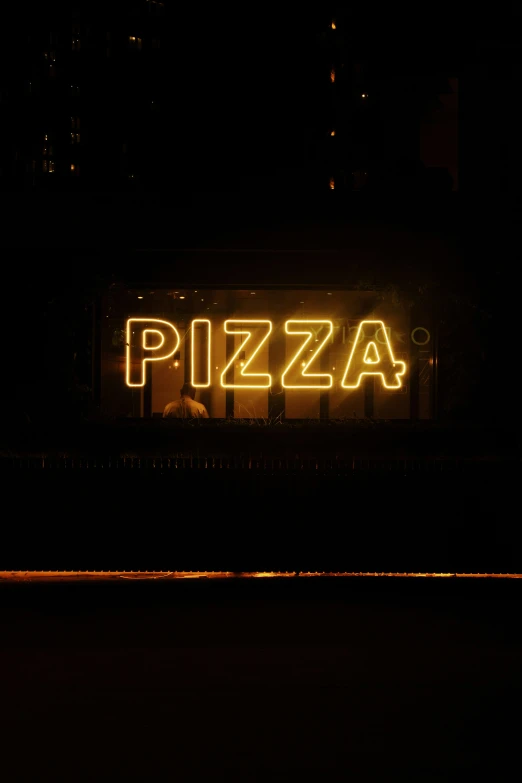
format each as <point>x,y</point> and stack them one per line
<point>266,354</point>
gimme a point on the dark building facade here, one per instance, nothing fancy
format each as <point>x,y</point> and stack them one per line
<point>147,95</point>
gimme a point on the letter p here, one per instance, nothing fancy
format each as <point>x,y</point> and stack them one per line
<point>148,340</point>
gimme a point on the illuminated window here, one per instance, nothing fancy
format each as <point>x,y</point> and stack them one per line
<point>332,75</point>
<point>364,95</point>
<point>333,25</point>
<point>332,183</point>
<point>44,150</point>
<point>51,166</point>
<point>75,169</point>
<point>75,44</point>
<point>332,132</point>
<point>75,138</point>
<point>134,42</point>
<point>52,56</point>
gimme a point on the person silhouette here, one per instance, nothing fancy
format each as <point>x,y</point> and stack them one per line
<point>186,407</point>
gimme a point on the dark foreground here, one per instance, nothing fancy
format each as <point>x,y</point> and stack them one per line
<point>250,680</point>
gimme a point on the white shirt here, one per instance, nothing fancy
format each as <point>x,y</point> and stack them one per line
<point>185,408</point>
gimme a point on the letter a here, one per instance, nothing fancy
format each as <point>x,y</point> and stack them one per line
<point>372,357</point>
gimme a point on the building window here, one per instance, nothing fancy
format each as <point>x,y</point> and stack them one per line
<point>332,75</point>
<point>332,183</point>
<point>51,166</point>
<point>359,179</point>
<point>76,37</point>
<point>75,90</point>
<point>75,122</point>
<point>75,138</point>
<point>44,165</point>
<point>155,7</point>
<point>134,42</point>
<point>75,169</point>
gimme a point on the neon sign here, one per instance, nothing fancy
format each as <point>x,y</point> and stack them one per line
<point>367,359</point>
<point>371,353</point>
<point>291,327</point>
<point>267,382</point>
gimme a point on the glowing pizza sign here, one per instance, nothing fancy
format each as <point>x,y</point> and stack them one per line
<point>370,353</point>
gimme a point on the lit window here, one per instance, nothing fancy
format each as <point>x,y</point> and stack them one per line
<point>332,183</point>
<point>51,166</point>
<point>332,132</point>
<point>134,42</point>
<point>76,44</point>
<point>364,95</point>
<point>333,25</point>
<point>332,75</point>
<point>53,56</point>
<point>75,138</point>
<point>44,151</point>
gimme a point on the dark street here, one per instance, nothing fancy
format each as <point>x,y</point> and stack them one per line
<point>243,680</point>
